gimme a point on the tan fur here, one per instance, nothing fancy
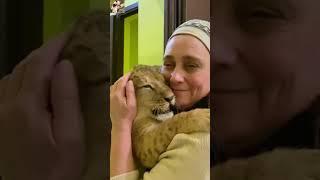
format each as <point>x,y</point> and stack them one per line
<point>88,51</point>
<point>151,136</point>
<point>280,164</point>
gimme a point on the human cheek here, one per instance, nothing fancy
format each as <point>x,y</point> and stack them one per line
<point>203,79</point>
<point>200,85</point>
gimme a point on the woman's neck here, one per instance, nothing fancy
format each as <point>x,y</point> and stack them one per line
<point>202,103</point>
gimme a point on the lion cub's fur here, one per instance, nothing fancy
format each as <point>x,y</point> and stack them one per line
<point>155,126</point>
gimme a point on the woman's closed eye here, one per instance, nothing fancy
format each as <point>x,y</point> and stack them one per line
<point>191,67</point>
<point>168,65</point>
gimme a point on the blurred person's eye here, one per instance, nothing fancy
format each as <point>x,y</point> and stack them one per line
<point>263,14</point>
<point>261,19</point>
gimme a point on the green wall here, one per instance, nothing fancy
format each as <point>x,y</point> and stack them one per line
<point>59,14</point>
<point>151,31</point>
<point>146,32</point>
<point>130,57</point>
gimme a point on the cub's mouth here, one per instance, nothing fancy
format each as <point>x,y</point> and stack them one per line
<point>162,114</point>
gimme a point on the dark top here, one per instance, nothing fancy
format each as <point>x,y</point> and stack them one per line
<point>202,103</point>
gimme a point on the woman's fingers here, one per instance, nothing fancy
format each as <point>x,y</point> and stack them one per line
<point>131,98</point>
<point>121,85</point>
<point>122,100</point>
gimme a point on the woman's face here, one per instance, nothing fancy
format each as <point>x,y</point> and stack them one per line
<point>266,65</point>
<point>186,66</point>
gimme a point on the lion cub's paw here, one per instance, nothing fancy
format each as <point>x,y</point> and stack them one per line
<point>202,118</point>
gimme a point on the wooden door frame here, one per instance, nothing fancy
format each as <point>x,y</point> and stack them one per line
<point>117,40</point>
<point>21,24</point>
<point>174,15</point>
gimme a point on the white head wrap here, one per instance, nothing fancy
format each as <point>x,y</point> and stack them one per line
<point>197,28</point>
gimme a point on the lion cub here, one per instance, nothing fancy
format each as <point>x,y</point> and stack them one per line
<point>155,124</point>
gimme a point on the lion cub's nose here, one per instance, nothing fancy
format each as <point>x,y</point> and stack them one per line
<point>169,99</point>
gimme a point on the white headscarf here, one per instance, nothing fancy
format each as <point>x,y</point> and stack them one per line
<point>197,28</point>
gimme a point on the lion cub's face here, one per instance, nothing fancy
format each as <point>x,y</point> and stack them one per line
<point>154,97</point>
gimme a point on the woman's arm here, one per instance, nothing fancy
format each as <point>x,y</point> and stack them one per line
<point>122,112</point>
<point>187,157</point>
<point>121,158</point>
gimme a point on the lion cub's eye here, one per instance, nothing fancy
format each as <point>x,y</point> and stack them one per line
<point>147,86</point>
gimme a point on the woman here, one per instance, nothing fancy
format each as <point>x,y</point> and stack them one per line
<point>266,72</point>
<point>187,67</point>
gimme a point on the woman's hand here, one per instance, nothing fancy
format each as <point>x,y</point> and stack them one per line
<point>123,111</point>
<point>123,107</point>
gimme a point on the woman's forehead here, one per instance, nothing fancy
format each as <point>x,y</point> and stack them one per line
<point>185,43</point>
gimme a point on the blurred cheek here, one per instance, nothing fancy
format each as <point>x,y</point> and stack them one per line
<point>270,61</point>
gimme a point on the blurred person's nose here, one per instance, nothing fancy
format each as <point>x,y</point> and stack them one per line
<point>224,54</point>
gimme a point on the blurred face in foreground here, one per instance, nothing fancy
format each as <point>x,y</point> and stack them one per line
<point>266,66</point>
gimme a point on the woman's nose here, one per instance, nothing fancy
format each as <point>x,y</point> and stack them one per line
<point>176,77</point>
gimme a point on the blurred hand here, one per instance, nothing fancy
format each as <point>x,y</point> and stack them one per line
<point>41,127</point>
<point>123,107</point>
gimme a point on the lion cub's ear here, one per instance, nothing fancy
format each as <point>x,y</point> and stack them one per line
<point>143,67</point>
<point>156,68</point>
<point>138,66</point>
